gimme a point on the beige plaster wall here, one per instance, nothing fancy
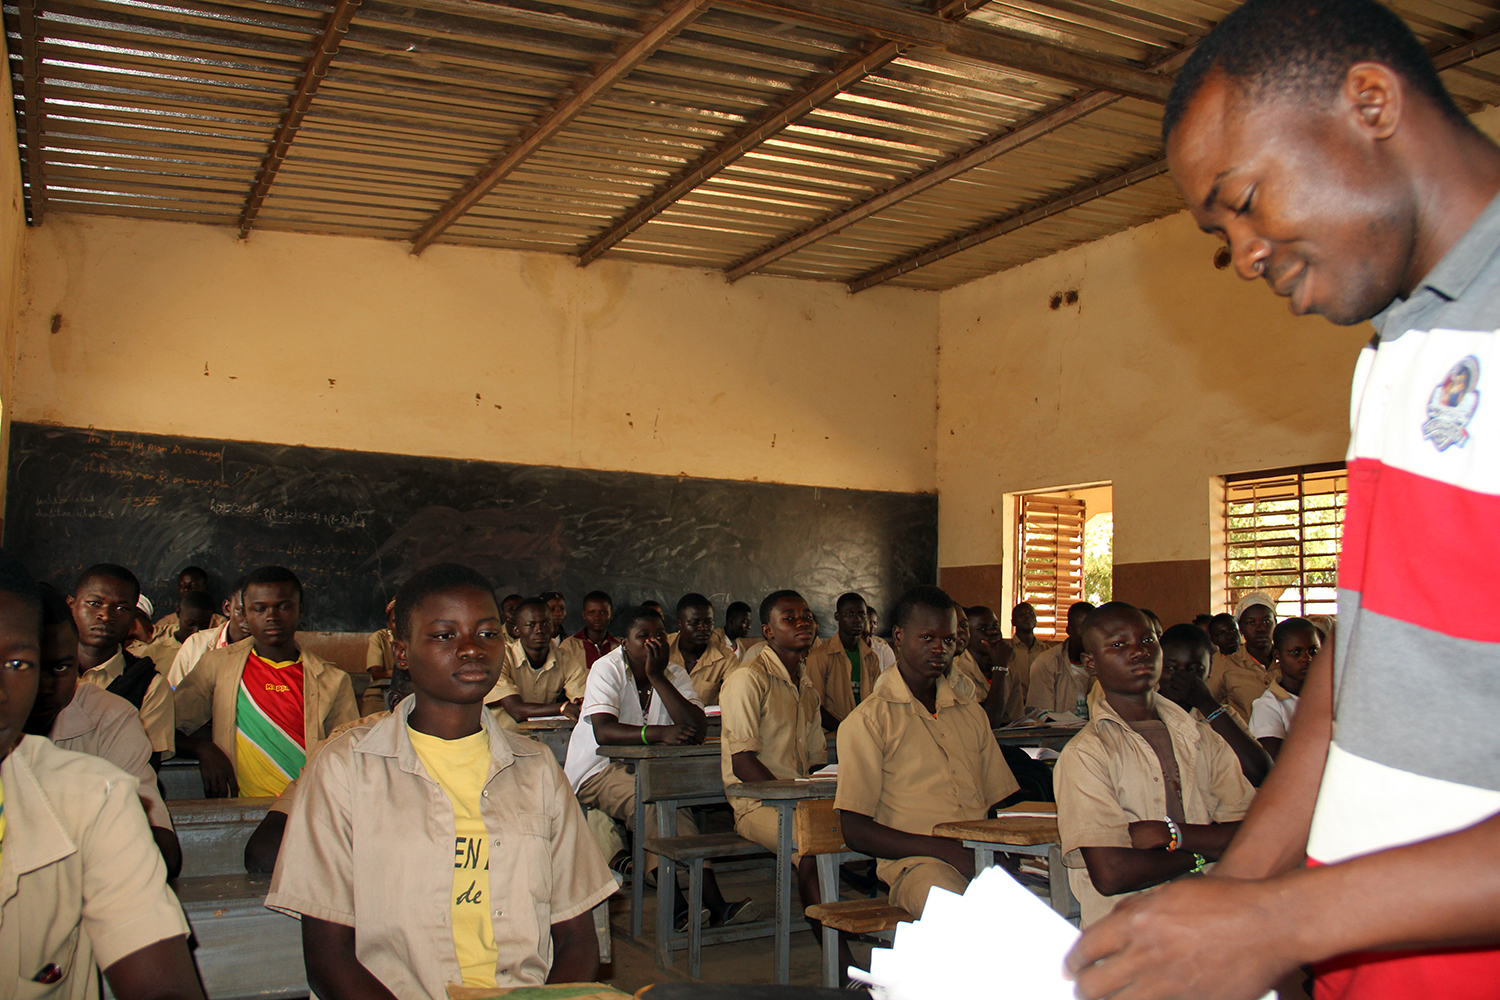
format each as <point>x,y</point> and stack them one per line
<point>1165,373</point>
<point>471,353</point>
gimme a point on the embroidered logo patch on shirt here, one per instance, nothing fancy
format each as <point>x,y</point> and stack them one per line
<point>1451,406</point>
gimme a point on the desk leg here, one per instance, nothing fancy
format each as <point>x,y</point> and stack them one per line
<point>666,884</point>
<point>1057,881</point>
<point>638,865</point>
<point>784,873</point>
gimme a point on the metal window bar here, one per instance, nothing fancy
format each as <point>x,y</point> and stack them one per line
<point>1049,558</point>
<point>1282,533</point>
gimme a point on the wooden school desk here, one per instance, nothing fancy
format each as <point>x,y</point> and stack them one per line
<point>784,795</point>
<point>1035,836</point>
<point>1050,737</point>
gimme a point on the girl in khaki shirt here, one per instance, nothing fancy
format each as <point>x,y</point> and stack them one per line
<point>416,864</point>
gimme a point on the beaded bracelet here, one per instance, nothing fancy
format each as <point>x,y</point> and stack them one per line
<point>1216,713</point>
<point>1176,833</point>
<point>1199,864</point>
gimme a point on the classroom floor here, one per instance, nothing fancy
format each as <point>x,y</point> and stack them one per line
<point>740,962</point>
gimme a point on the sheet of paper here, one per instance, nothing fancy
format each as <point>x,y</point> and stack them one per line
<point>829,773</point>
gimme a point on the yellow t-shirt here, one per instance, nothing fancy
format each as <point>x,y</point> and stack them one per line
<point>460,767</point>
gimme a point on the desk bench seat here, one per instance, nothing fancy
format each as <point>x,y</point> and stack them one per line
<point>243,950</point>
<point>693,852</point>
<point>859,916</point>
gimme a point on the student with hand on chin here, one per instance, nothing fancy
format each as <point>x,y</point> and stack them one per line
<point>431,848</point>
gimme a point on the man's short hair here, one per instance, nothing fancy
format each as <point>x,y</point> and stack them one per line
<point>597,595</point>
<point>920,597</point>
<point>539,603</point>
<point>769,604</point>
<point>548,595</point>
<point>736,608</point>
<point>273,574</point>
<point>197,570</point>
<point>1287,626</point>
<point>1188,635</point>
<point>1296,47</point>
<point>512,597</point>
<point>197,600</point>
<point>976,611</point>
<point>424,583</point>
<point>1104,612</point>
<point>847,599</point>
<point>634,614</point>
<point>109,571</point>
<point>693,601</point>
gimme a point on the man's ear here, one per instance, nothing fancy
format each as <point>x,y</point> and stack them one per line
<point>1087,662</point>
<point>70,602</point>
<point>896,634</point>
<point>398,649</point>
<point>1376,96</point>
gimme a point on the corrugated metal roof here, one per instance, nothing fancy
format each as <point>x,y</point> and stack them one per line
<point>710,146</point>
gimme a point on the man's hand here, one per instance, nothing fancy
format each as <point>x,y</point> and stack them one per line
<point>1169,944</point>
<point>1188,691</point>
<point>570,709</point>
<point>657,657</point>
<point>219,781</point>
<point>680,735</point>
<point>1150,835</point>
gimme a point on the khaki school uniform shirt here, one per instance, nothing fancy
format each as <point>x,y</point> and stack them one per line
<point>910,771</point>
<point>1219,667</point>
<point>105,725</point>
<point>831,671</point>
<point>718,638</point>
<point>557,678</point>
<point>369,845</point>
<point>379,653</point>
<point>1109,777</point>
<point>1018,679</point>
<point>156,711</point>
<point>211,689</point>
<point>965,666</point>
<point>81,881</point>
<point>168,625</point>
<point>709,672</point>
<point>1245,682</point>
<point>1056,682</point>
<point>762,711</point>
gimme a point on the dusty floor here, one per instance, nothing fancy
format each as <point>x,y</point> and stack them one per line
<point>740,962</point>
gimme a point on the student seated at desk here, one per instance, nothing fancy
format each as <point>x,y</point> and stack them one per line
<point>138,640</point>
<point>1144,792</point>
<point>193,579</point>
<point>195,610</point>
<point>86,886</point>
<point>772,730</point>
<point>557,604</point>
<point>1185,654</point>
<point>390,907</point>
<point>1025,649</point>
<point>380,660</point>
<point>1294,644</point>
<point>539,682</point>
<point>104,606</point>
<point>917,753</point>
<point>230,632</point>
<point>636,696</point>
<point>251,711</point>
<point>843,669</point>
<point>1059,680</point>
<point>265,842</point>
<point>1247,673</point>
<point>706,664</point>
<point>883,652</point>
<point>593,640</point>
<point>981,660</point>
<point>735,637</point>
<point>90,720</point>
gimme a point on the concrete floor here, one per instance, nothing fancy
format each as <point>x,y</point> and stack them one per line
<point>738,962</point>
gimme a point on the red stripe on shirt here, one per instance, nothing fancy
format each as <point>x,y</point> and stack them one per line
<point>1434,544</point>
<point>278,693</point>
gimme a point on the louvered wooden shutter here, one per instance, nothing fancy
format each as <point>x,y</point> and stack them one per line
<point>1049,572</point>
<point>1282,532</point>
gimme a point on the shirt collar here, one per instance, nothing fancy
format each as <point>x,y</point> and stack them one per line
<point>112,668</point>
<point>1465,261</point>
<point>771,664</point>
<point>1175,718</point>
<point>26,802</point>
<point>74,720</point>
<point>388,738</point>
<point>892,687</point>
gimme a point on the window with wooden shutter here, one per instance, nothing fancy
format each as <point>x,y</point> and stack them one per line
<point>1049,548</point>
<point>1282,531</point>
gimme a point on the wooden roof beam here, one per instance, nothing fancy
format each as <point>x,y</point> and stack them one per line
<point>31,89</point>
<point>985,44</point>
<point>325,48</point>
<point>1010,223</point>
<point>816,93</point>
<point>655,36</point>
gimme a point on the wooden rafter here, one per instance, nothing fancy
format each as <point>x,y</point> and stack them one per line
<point>815,94</point>
<point>985,44</point>
<point>31,89</point>
<point>654,36</point>
<point>325,47</point>
<point>1010,223</point>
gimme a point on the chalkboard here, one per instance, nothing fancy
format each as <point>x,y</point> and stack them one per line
<point>354,525</point>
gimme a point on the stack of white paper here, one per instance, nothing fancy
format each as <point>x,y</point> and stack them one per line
<point>954,950</point>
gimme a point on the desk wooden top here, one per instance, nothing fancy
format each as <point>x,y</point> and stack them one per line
<point>1038,732</point>
<point>783,791</point>
<point>552,991</point>
<point>1018,831</point>
<point>658,750</point>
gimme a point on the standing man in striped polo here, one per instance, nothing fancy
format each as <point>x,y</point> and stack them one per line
<point>1316,139</point>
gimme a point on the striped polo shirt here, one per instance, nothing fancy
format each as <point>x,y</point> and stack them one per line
<point>1416,749</point>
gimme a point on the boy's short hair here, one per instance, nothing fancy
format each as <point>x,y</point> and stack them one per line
<point>923,597</point>
<point>1188,635</point>
<point>637,613</point>
<point>736,608</point>
<point>424,583</point>
<point>597,595</point>
<point>237,587</point>
<point>16,579</point>
<point>512,597</point>
<point>548,595</point>
<point>1306,49</point>
<point>769,604</point>
<point>198,600</point>
<point>534,602</point>
<point>272,574</point>
<point>199,570</point>
<point>847,599</point>
<point>692,601</point>
<point>976,610</point>
<point>1104,612</point>
<point>1287,626</point>
<point>109,571</point>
